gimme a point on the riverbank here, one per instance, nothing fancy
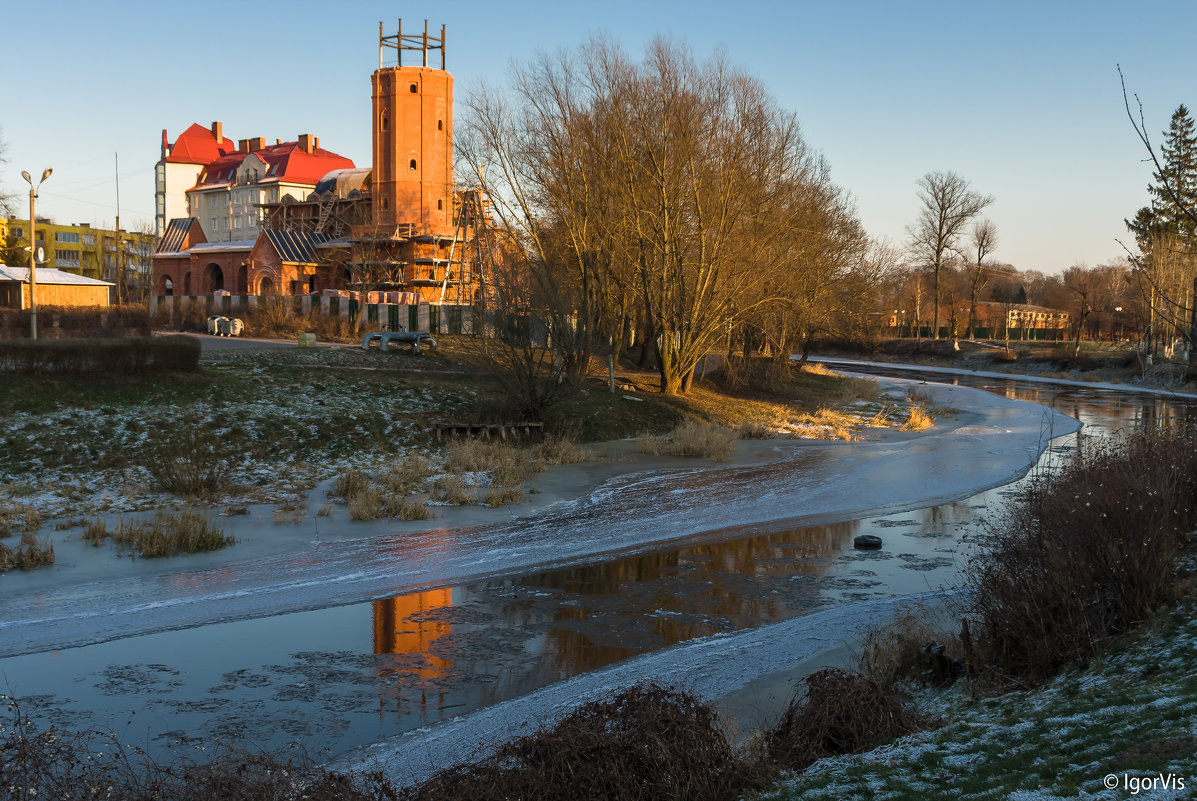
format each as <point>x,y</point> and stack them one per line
<point>594,511</point>
<point>1105,364</point>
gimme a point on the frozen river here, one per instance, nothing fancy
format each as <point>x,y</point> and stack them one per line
<point>360,638</point>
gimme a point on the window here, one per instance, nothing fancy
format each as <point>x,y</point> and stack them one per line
<point>440,125</point>
<point>414,88</point>
<point>412,164</point>
<point>89,239</point>
<point>19,233</point>
<point>67,258</point>
<point>67,236</point>
<point>385,204</point>
<point>382,121</point>
<point>440,205</point>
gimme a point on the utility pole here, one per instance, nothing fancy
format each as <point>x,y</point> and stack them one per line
<point>120,288</point>
<point>33,254</point>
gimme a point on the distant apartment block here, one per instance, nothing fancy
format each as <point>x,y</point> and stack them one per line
<point>84,250</point>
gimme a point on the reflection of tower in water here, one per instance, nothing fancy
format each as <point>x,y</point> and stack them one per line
<point>408,627</point>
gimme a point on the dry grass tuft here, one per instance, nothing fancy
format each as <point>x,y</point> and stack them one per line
<point>560,449</point>
<point>692,438</point>
<point>451,490</point>
<point>917,418</point>
<point>838,713</point>
<point>501,496</point>
<point>29,554</point>
<point>755,429</point>
<point>170,534</point>
<point>386,498</point>
<point>19,518</point>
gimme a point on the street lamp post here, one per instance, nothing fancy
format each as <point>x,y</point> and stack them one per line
<point>33,248</point>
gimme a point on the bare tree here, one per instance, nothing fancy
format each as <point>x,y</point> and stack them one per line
<point>947,205</point>
<point>8,200</point>
<point>984,242</point>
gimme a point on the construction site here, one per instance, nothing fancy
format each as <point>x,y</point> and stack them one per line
<point>398,232</point>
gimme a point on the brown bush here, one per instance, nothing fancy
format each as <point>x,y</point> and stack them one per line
<point>648,742</point>
<point>1083,556</point>
<point>185,460</point>
<point>911,647</point>
<point>838,713</point>
<point>451,490</point>
<point>92,322</point>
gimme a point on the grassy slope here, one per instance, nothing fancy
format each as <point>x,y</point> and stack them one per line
<point>1133,711</point>
<point>289,418</point>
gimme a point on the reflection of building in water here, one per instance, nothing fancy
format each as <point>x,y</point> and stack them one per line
<point>644,602</point>
<point>409,626</point>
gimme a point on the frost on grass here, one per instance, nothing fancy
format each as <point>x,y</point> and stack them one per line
<point>1057,742</point>
<point>280,432</point>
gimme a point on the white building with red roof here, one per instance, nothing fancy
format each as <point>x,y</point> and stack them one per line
<point>179,168</point>
<point>229,190</point>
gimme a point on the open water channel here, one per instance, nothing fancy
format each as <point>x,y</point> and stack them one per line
<point>340,677</point>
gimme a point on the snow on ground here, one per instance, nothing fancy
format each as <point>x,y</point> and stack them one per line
<point>989,442</point>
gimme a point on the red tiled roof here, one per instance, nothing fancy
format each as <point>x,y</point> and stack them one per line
<point>285,162</point>
<point>197,145</point>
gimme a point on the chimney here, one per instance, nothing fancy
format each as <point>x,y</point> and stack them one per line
<point>165,144</point>
<point>218,131</point>
<point>257,143</point>
<point>278,141</point>
<point>316,143</point>
<point>242,145</point>
<point>305,142</point>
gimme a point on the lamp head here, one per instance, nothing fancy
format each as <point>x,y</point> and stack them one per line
<point>26,176</point>
<point>46,174</point>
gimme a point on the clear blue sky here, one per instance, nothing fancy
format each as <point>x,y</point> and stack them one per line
<point>1022,99</point>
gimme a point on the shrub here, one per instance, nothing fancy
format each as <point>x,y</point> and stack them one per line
<point>78,766</point>
<point>185,460</point>
<point>838,713</point>
<point>1083,555</point>
<point>910,647</point>
<point>648,742</point>
<point>131,356</point>
<point>93,322</point>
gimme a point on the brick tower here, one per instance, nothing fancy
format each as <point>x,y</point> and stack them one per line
<point>413,139</point>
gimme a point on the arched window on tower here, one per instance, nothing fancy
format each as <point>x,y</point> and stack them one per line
<point>382,121</point>
<point>412,164</point>
<point>414,88</point>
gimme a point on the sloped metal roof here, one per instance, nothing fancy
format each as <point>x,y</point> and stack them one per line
<point>48,275</point>
<point>295,246</point>
<point>175,235</point>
